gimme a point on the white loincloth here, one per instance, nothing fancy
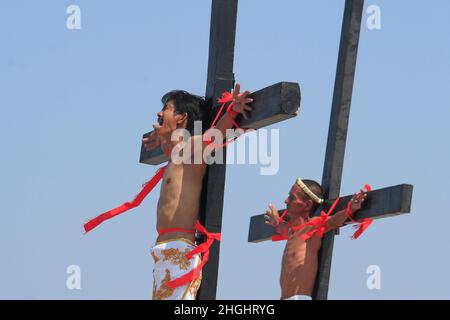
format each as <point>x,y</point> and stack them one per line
<point>171,263</point>
<point>299,297</point>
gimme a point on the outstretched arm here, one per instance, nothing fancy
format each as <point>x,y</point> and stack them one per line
<point>338,219</point>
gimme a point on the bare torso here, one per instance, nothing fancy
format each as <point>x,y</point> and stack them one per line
<point>299,266</point>
<point>179,200</point>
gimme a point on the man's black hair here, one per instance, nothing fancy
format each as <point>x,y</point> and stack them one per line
<point>186,102</point>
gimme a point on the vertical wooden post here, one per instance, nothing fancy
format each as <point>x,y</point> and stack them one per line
<point>337,132</point>
<point>220,78</point>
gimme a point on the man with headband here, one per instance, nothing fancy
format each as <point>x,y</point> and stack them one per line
<point>303,233</point>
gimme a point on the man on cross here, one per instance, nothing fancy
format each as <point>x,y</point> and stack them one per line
<point>303,233</point>
<point>178,262</point>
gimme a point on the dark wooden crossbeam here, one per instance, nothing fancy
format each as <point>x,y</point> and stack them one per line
<point>380,203</point>
<point>272,104</point>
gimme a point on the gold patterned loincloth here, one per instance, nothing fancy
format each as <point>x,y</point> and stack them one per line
<point>171,263</point>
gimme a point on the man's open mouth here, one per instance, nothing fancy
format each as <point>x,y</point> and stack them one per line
<point>160,121</point>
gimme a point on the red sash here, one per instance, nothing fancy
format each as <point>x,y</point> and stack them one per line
<point>226,97</point>
<point>148,187</point>
<point>281,235</point>
<point>202,248</point>
<point>362,224</point>
<point>320,224</point>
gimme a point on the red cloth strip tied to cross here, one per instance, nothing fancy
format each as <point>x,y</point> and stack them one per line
<point>202,249</point>
<point>281,235</point>
<point>148,187</point>
<point>320,224</point>
<point>362,224</point>
<point>226,98</point>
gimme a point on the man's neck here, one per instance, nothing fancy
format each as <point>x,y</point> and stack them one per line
<point>168,145</point>
<point>298,221</point>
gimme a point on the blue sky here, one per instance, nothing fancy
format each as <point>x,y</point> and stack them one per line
<point>75,103</point>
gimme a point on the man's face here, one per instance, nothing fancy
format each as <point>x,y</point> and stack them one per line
<point>167,121</point>
<point>295,204</point>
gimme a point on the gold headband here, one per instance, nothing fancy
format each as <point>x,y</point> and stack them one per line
<point>311,194</point>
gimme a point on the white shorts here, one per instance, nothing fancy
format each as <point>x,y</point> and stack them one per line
<point>171,263</point>
<point>299,297</point>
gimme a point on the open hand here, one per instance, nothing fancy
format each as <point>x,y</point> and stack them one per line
<point>151,142</point>
<point>272,217</point>
<point>357,201</point>
<point>240,101</point>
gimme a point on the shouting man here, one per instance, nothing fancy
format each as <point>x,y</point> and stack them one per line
<point>178,262</point>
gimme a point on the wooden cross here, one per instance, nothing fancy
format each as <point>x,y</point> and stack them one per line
<point>273,104</point>
<point>380,203</point>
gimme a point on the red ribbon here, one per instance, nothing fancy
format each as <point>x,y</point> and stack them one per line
<point>148,187</point>
<point>226,97</point>
<point>201,248</point>
<point>319,226</point>
<point>281,236</point>
<point>362,224</point>
<point>170,230</point>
